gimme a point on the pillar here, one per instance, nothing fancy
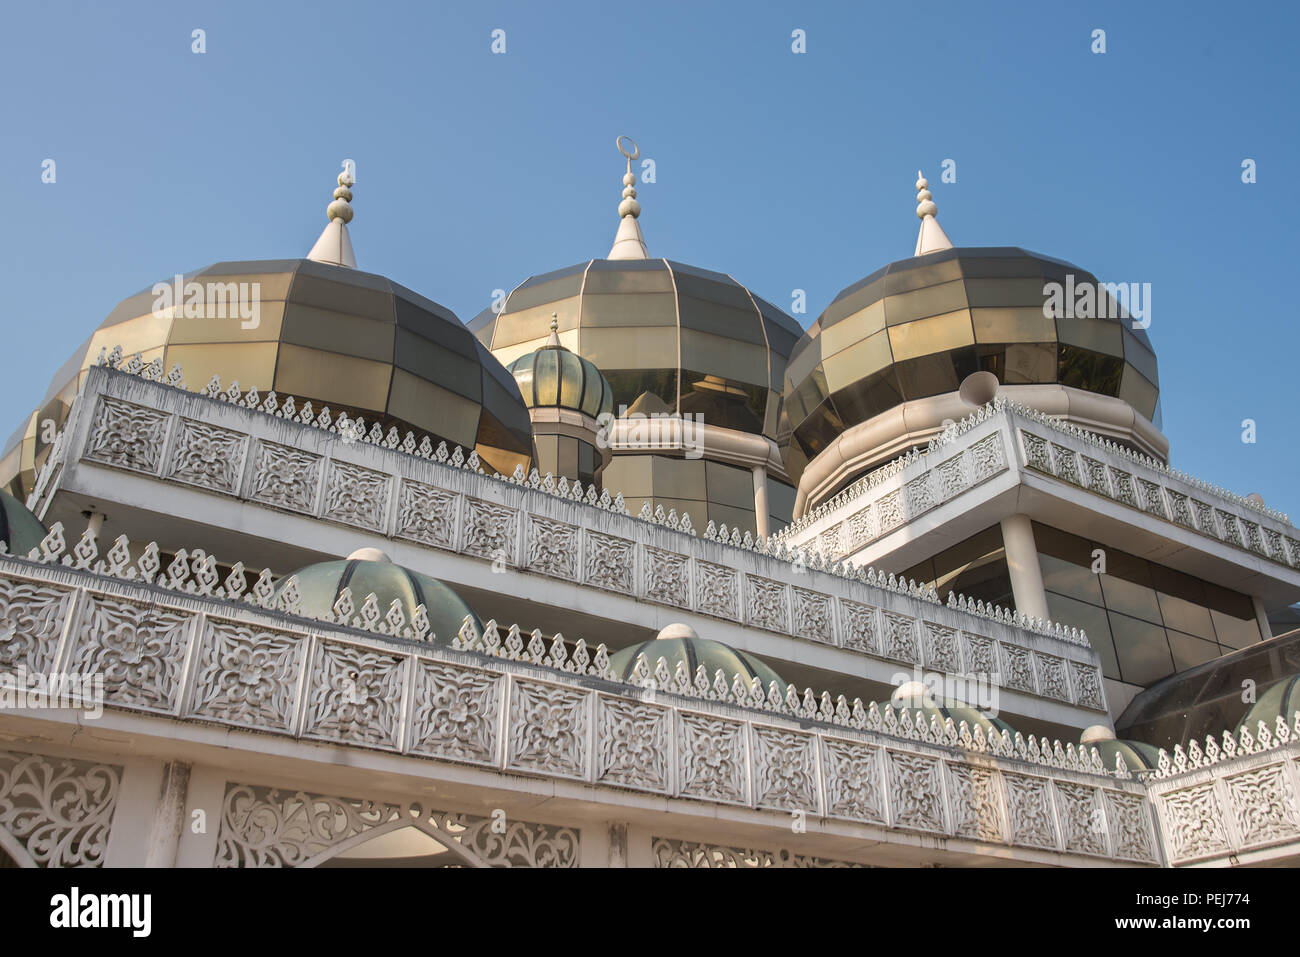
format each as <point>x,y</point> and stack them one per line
<point>1261,616</point>
<point>1022,565</point>
<point>760,502</point>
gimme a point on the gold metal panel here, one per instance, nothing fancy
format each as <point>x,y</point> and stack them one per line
<point>647,309</point>
<point>349,381</point>
<point>251,364</point>
<point>729,485</point>
<point>433,409</point>
<point>341,332</point>
<point>642,347</point>
<point>1137,391</point>
<point>1099,335</point>
<point>719,356</point>
<point>859,361</point>
<point>931,301</point>
<point>679,478</point>
<point>1012,325</point>
<point>927,336</point>
<point>270,315</point>
<point>529,324</point>
<point>854,328</point>
<point>134,335</point>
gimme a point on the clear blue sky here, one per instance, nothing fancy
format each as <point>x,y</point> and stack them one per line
<point>788,171</point>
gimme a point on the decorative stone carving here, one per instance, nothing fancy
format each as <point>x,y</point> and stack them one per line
<point>1153,498</point>
<point>58,810</point>
<point>987,458</point>
<point>1029,806</point>
<point>426,514</point>
<point>548,729</point>
<point>854,786</point>
<point>247,676</point>
<point>207,456</point>
<point>1037,455</point>
<point>951,477</point>
<point>890,511</point>
<point>859,630</point>
<point>1087,684</point>
<point>1122,483</point>
<point>1180,508</point>
<point>285,477</point>
<point>128,436</point>
<point>812,616</point>
<point>716,590</point>
<point>455,713</point>
<point>633,743</point>
<point>1095,476</point>
<point>900,638</point>
<point>552,548</point>
<point>1067,464</point>
<point>919,495</point>
<point>1263,805</point>
<point>941,648</point>
<point>1083,822</point>
<point>1130,826</point>
<point>981,656</point>
<point>609,562</point>
<point>31,621</point>
<point>712,755</point>
<point>138,649</point>
<point>490,530</point>
<point>1052,677</point>
<point>768,605</point>
<point>1193,822</point>
<point>785,769</point>
<point>356,496</point>
<point>916,790</point>
<point>1017,668</point>
<point>667,577</point>
<point>862,527</point>
<point>671,853</point>
<point>975,802</point>
<point>354,695</point>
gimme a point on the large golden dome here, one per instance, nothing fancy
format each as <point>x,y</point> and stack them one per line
<point>351,340</point>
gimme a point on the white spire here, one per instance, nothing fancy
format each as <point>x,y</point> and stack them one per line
<point>628,241</point>
<point>932,238</point>
<point>335,245</point>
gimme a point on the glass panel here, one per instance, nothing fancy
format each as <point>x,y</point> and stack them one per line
<point>1093,621</point>
<point>853,329</point>
<point>1070,579</point>
<point>724,357</point>
<point>931,301</point>
<point>1084,369</point>
<point>1234,632</point>
<point>1138,392</point>
<point>1026,292</point>
<point>1020,364</point>
<point>571,380</point>
<point>1012,325</point>
<point>731,405</point>
<point>1136,600</point>
<point>932,375</point>
<point>928,336</point>
<point>1184,616</point>
<point>546,377</point>
<point>1189,651</point>
<point>647,309</point>
<point>858,361</point>
<point>1143,650</point>
<point>1096,335</point>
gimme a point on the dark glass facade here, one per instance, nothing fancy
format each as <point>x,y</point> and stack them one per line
<point>1146,621</point>
<point>976,568</point>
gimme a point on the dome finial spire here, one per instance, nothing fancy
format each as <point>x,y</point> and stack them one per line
<point>335,245</point>
<point>932,238</point>
<point>628,242</point>
<point>554,341</point>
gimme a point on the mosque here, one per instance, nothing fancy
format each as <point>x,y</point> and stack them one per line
<point>631,570</point>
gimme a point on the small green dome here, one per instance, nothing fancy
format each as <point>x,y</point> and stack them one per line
<point>1138,756</point>
<point>1281,700</point>
<point>694,651</point>
<point>20,530</point>
<point>321,584</point>
<point>554,377</point>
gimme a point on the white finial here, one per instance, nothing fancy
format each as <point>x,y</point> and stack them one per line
<point>554,340</point>
<point>335,245</point>
<point>628,241</point>
<point>932,238</point>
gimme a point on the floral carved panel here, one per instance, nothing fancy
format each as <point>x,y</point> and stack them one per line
<point>976,804</point>
<point>490,530</point>
<point>552,548</point>
<point>859,626</point>
<point>247,676</point>
<point>915,790</point>
<point>58,810</point>
<point>768,604</point>
<point>354,695</point>
<point>632,744</point>
<point>285,477</point>
<point>813,616</point>
<point>1194,824</point>
<point>138,650</point>
<point>548,729</point>
<point>356,496</point>
<point>456,712</point>
<point>128,436</point>
<point>854,784</point>
<point>31,621</point>
<point>785,769</point>
<point>609,562</point>
<point>716,590</point>
<point>207,456</point>
<point>1029,807</point>
<point>427,515</point>
<point>667,577</point>
<point>711,756</point>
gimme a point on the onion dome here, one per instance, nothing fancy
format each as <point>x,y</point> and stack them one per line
<point>20,529</point>
<point>1137,755</point>
<point>916,328</point>
<point>1282,700</point>
<point>679,644</point>
<point>369,571</point>
<point>315,329</point>
<point>554,377</point>
<point>915,697</point>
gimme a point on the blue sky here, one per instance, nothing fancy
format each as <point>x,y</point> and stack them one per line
<point>788,171</point>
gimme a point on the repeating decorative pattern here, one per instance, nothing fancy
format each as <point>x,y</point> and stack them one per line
<point>58,810</point>
<point>356,695</point>
<point>813,617</point>
<point>1017,668</point>
<point>942,649</point>
<point>1130,826</point>
<point>768,604</point>
<point>859,629</point>
<point>916,785</point>
<point>128,436</point>
<point>490,530</point>
<point>1087,685</point>
<point>548,729</point>
<point>426,514</point>
<point>207,456</point>
<point>900,638</point>
<point>1030,803</point>
<point>712,755</point>
<point>455,713</point>
<point>976,804</point>
<point>285,477</point>
<point>855,789</point>
<point>1083,821</point>
<point>137,648</point>
<point>31,620</point>
<point>247,676</point>
<point>633,744</point>
<point>1193,822</point>
<point>552,548</point>
<point>1052,676</point>
<point>716,588</point>
<point>1264,805</point>
<point>356,496</point>
<point>609,562</point>
<point>667,852</point>
<point>785,769</point>
<point>667,577</point>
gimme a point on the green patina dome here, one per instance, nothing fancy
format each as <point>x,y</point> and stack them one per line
<point>321,584</point>
<point>694,651</point>
<point>1282,700</point>
<point>554,377</point>
<point>20,530</point>
<point>1138,756</point>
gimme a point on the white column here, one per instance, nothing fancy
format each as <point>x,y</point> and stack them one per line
<point>760,501</point>
<point>1022,564</point>
<point>1261,616</point>
<point>169,819</point>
